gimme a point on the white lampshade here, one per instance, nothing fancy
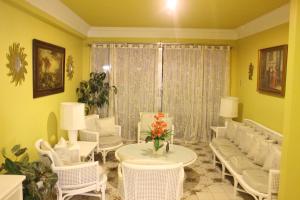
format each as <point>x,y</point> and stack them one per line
<point>72,116</point>
<point>229,107</point>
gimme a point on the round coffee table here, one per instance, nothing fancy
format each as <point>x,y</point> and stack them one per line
<point>144,151</point>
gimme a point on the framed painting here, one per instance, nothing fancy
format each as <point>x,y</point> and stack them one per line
<point>48,68</point>
<point>272,70</point>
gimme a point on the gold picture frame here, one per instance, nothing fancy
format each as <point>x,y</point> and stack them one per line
<point>272,65</point>
<point>48,68</point>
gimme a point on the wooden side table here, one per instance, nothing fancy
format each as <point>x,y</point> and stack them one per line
<point>11,187</point>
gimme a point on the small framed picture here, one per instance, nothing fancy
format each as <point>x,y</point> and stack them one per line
<point>48,68</point>
<point>272,64</point>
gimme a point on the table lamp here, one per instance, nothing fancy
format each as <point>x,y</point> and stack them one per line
<point>72,119</point>
<point>229,108</point>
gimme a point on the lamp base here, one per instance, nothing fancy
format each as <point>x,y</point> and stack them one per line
<point>72,135</point>
<point>227,120</point>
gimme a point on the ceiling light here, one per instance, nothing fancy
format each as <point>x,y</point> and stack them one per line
<point>171,4</point>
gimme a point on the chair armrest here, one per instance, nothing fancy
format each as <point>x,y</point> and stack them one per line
<point>220,131</point>
<point>118,129</point>
<point>90,136</point>
<point>273,184</point>
<point>120,175</point>
<point>77,175</point>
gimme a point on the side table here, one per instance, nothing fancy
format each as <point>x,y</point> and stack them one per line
<point>81,151</point>
<point>86,150</point>
<point>213,132</point>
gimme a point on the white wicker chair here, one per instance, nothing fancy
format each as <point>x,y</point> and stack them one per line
<point>77,179</point>
<point>149,180</point>
<point>146,118</point>
<point>105,144</point>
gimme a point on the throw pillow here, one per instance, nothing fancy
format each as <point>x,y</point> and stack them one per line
<point>47,147</point>
<point>90,123</point>
<point>169,121</point>
<point>145,124</point>
<point>273,160</point>
<point>106,126</point>
<point>263,152</point>
<point>254,149</point>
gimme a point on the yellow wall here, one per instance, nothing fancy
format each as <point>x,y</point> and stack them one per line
<point>290,168</point>
<point>262,108</point>
<point>22,118</point>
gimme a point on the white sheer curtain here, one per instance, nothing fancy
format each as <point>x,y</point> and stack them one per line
<point>134,71</point>
<point>183,88</point>
<point>194,79</point>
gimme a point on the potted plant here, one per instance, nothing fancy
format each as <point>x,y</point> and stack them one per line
<point>40,180</point>
<point>94,92</point>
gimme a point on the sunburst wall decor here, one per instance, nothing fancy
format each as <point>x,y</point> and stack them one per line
<point>16,63</point>
<point>70,67</point>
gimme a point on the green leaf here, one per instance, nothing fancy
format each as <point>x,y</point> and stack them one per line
<point>20,151</point>
<point>156,144</point>
<point>24,158</point>
<point>3,152</point>
<point>15,148</point>
<point>148,139</point>
<point>11,167</point>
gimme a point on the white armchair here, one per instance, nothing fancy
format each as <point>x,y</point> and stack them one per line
<point>85,178</point>
<point>149,180</point>
<point>104,131</point>
<point>144,125</point>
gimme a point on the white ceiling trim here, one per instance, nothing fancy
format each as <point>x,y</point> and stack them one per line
<point>61,12</point>
<point>64,14</point>
<point>136,32</point>
<point>272,19</point>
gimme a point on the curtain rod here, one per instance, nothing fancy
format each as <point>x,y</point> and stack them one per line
<point>158,43</point>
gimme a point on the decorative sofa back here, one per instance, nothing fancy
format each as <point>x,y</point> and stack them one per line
<point>271,134</point>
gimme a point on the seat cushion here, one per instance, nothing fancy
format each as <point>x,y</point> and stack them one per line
<point>228,151</point>
<point>257,179</point>
<point>109,141</point>
<point>90,123</point>
<point>221,142</point>
<point>241,163</point>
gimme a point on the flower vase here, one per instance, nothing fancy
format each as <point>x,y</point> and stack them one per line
<point>161,150</point>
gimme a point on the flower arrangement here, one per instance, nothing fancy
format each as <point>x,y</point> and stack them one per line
<point>159,132</point>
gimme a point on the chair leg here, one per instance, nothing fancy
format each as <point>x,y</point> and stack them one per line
<point>235,185</point>
<point>103,188</point>
<point>59,194</point>
<point>223,172</point>
<point>104,153</point>
<point>214,160</point>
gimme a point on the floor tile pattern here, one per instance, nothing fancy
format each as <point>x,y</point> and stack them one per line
<point>202,182</point>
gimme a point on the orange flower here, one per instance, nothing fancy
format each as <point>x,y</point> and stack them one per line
<point>159,116</point>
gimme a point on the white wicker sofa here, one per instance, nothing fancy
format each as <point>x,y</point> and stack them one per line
<point>250,153</point>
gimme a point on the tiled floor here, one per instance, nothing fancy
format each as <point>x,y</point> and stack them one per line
<point>220,191</point>
<point>202,181</point>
